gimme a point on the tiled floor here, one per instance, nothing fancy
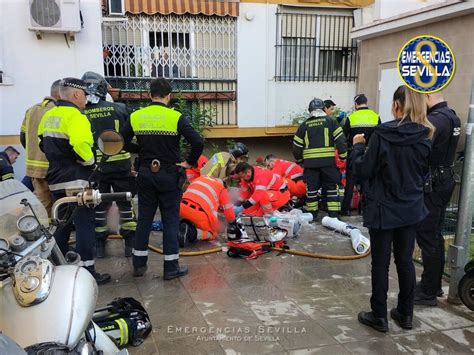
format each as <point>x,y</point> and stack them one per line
<point>277,304</point>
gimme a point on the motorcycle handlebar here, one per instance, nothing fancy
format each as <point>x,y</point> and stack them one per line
<point>115,196</point>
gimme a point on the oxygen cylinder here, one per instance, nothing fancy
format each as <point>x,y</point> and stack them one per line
<point>360,244</point>
<point>113,219</point>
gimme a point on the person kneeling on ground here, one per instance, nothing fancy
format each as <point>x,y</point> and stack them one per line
<point>261,191</point>
<point>198,210</point>
<point>291,172</point>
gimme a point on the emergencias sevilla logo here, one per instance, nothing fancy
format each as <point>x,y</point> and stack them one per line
<point>426,64</point>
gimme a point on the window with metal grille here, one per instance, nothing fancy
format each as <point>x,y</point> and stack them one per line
<point>141,46</point>
<point>315,47</point>
<point>163,44</point>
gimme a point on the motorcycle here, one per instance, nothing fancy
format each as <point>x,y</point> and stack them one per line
<point>466,286</point>
<point>47,300</point>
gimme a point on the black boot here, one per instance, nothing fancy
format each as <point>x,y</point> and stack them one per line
<point>128,250</point>
<point>423,299</point>
<point>234,231</point>
<point>187,233</point>
<point>403,321</point>
<point>100,248</point>
<point>128,238</point>
<point>99,278</point>
<point>344,213</point>
<point>180,271</point>
<point>439,293</point>
<point>368,318</point>
<point>139,271</point>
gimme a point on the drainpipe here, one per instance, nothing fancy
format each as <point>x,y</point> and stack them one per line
<point>458,253</point>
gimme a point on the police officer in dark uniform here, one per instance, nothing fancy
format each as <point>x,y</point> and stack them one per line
<point>315,144</point>
<point>116,173</point>
<point>7,159</point>
<point>437,195</point>
<point>158,130</point>
<point>362,121</point>
<point>66,140</point>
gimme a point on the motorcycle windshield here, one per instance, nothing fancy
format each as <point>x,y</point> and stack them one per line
<point>11,193</point>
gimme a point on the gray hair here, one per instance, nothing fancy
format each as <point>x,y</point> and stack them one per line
<point>54,91</point>
<point>65,92</point>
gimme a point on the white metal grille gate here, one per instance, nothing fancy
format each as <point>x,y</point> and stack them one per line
<point>185,47</point>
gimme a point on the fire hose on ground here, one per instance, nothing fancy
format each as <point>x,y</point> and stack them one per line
<point>280,250</point>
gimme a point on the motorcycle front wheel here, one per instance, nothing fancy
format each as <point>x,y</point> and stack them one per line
<point>466,290</point>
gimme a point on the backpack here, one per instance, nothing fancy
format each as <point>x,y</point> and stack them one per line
<point>249,249</point>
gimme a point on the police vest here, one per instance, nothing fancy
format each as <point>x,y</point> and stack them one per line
<point>156,130</point>
<point>66,139</point>
<point>362,121</point>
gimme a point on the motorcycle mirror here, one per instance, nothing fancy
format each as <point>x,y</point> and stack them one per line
<point>110,142</point>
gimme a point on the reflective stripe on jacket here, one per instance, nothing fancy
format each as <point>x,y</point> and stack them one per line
<point>66,139</point>
<point>263,180</point>
<point>36,162</point>
<point>210,194</point>
<point>287,169</point>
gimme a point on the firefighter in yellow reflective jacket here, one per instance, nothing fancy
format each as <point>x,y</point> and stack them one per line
<point>66,140</point>
<point>362,121</point>
<point>220,162</point>
<point>36,162</point>
<point>7,158</point>
<point>314,144</point>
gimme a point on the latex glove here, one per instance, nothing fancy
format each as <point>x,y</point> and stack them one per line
<point>184,164</point>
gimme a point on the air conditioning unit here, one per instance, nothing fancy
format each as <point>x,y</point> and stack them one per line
<point>60,16</point>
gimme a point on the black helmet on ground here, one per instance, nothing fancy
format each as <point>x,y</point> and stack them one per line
<point>97,85</point>
<point>315,104</point>
<point>239,149</point>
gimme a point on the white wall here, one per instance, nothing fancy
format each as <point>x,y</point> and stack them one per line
<point>390,8</point>
<point>252,72</point>
<point>34,64</point>
<point>383,9</point>
<point>389,82</point>
<point>292,98</point>
<point>262,102</point>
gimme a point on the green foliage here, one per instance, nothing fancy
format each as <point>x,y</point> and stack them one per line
<point>199,117</point>
<point>296,118</point>
<point>230,143</point>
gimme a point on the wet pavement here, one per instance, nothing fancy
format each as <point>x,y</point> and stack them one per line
<point>281,304</point>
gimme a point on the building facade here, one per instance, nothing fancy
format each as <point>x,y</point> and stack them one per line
<point>386,26</point>
<point>256,63</point>
<point>29,65</point>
